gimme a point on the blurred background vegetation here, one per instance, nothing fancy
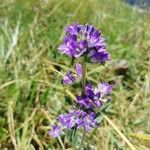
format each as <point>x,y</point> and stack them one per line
<point>31,68</point>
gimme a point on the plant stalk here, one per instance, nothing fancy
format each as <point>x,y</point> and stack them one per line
<point>83,93</point>
<point>83,76</point>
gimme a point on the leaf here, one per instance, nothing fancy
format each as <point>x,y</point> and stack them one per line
<point>99,119</point>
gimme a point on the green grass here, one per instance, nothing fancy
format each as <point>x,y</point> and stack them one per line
<point>31,68</point>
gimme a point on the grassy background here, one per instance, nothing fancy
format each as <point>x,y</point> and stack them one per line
<point>31,68</point>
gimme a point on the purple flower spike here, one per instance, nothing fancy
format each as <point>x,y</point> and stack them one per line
<point>55,131</point>
<point>69,78</point>
<point>84,40</point>
<point>79,70</point>
<point>87,42</point>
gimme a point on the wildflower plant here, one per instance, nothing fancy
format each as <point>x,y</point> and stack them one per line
<point>86,44</point>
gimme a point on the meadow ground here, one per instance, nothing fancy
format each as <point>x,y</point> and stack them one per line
<point>31,68</point>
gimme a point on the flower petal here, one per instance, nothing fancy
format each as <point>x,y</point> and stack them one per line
<point>79,70</point>
<point>55,131</point>
<point>69,78</point>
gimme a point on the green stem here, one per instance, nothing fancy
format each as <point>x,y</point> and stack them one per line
<point>83,76</point>
<point>83,93</point>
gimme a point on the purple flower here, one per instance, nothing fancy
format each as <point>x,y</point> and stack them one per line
<point>89,103</point>
<point>85,102</point>
<point>84,40</point>
<point>89,91</point>
<point>69,120</point>
<point>78,118</point>
<point>91,99</point>
<point>98,56</point>
<point>94,97</point>
<point>69,78</point>
<point>55,131</point>
<point>74,29</point>
<point>79,70</point>
<point>88,121</point>
<point>104,88</point>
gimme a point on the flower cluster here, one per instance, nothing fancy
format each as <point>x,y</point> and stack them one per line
<point>84,40</point>
<point>75,118</point>
<point>93,98</point>
<point>85,115</point>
